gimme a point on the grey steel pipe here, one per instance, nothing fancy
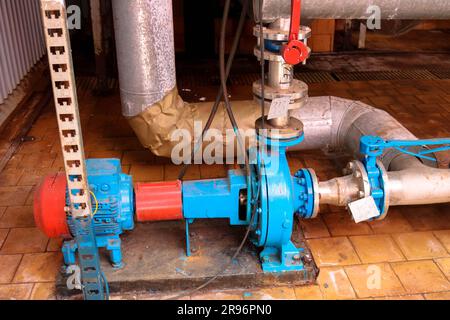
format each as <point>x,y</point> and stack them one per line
<point>145,52</point>
<point>356,9</point>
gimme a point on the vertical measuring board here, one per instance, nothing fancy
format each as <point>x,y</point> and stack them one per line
<point>57,37</point>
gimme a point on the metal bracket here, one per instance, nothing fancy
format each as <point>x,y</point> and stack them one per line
<point>54,17</point>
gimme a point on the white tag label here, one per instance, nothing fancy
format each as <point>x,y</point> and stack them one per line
<point>279,108</point>
<point>364,209</point>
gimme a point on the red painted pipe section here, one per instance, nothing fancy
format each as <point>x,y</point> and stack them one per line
<point>161,201</point>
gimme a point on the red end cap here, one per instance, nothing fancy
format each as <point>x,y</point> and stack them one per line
<point>49,203</point>
<point>295,52</point>
<point>160,201</point>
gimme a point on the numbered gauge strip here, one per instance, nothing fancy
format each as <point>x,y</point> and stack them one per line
<point>64,89</point>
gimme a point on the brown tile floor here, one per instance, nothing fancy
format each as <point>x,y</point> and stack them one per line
<point>411,248</point>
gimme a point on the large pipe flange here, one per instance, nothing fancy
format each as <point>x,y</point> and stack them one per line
<point>386,191</point>
<point>297,93</point>
<point>358,171</point>
<point>273,34</point>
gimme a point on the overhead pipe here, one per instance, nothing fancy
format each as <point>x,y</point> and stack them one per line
<point>356,9</point>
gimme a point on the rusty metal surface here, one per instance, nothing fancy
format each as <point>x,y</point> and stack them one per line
<point>155,261</point>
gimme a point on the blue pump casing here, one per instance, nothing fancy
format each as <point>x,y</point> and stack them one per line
<point>112,205</point>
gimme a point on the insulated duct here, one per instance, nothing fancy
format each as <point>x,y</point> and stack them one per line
<point>145,52</point>
<point>356,9</point>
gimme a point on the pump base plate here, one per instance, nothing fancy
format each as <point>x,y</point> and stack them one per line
<point>156,262</point>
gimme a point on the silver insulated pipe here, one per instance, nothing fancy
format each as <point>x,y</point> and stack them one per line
<point>145,52</point>
<point>356,9</point>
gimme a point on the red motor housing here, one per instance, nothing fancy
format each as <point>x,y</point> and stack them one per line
<point>49,204</point>
<point>160,201</point>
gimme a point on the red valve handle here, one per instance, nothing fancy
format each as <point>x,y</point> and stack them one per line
<point>295,51</point>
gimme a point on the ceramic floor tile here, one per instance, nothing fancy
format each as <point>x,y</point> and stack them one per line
<point>54,245</point>
<point>24,240</point>
<point>105,154</point>
<point>147,173</point>
<point>15,291</point>
<point>333,252</point>
<point>37,160</point>
<point>444,265</point>
<point>13,196</point>
<point>213,171</point>
<point>343,225</point>
<point>420,245</point>
<point>375,280</point>
<point>308,293</point>
<point>376,248</point>
<point>44,291</point>
<point>403,297</point>
<point>34,177</point>
<point>438,296</point>
<point>10,178</point>
<point>8,267</point>
<point>444,237</point>
<point>425,218</point>
<point>421,276</point>
<point>314,228</point>
<point>18,217</point>
<point>335,285</point>
<point>171,172</point>
<point>395,222</point>
<point>138,157</point>
<point>38,267</point>
<point>3,235</point>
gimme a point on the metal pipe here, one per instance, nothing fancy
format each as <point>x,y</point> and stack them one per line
<point>146,59</point>
<point>145,52</point>
<point>356,9</point>
<point>419,186</point>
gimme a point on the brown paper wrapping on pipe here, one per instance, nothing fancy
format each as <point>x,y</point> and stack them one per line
<point>154,126</point>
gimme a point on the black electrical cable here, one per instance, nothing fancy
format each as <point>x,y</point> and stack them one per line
<point>262,47</point>
<point>223,81</point>
<point>236,128</point>
<point>234,47</point>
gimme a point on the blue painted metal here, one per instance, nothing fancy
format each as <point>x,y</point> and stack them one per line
<point>304,191</point>
<point>273,46</point>
<point>271,192</point>
<point>113,208</point>
<point>276,209</point>
<point>373,147</point>
<point>95,286</point>
<point>216,198</point>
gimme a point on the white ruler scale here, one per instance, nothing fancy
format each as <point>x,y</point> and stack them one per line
<point>66,104</point>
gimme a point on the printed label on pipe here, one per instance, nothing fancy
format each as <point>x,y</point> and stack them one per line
<point>279,108</point>
<point>364,209</point>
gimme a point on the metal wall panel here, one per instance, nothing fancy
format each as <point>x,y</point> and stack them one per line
<point>21,42</point>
